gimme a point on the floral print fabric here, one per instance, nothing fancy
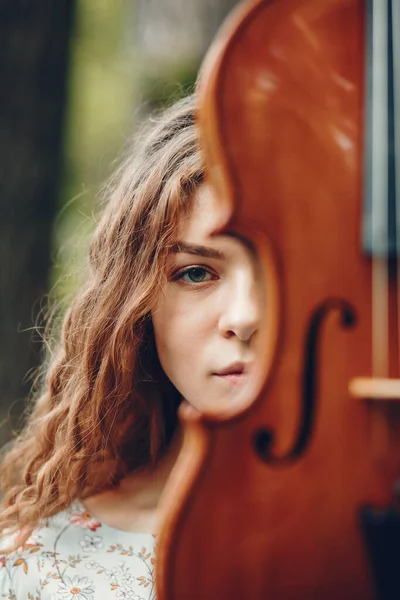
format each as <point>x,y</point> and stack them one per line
<point>75,557</point>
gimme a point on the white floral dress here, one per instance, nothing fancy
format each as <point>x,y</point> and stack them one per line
<point>75,557</point>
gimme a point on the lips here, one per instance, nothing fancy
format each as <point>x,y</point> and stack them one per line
<point>237,368</point>
<point>234,373</point>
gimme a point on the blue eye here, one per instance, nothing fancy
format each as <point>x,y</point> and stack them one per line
<point>194,275</point>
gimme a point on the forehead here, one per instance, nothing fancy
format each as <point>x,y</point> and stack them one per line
<point>207,216</point>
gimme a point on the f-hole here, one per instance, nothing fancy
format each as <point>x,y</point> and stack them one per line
<point>263,439</point>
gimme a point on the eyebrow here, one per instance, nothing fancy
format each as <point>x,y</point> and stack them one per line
<point>197,250</point>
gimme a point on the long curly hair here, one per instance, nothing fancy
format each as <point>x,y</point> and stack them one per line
<point>105,407</point>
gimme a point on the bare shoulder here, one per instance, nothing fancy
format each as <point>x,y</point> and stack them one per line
<point>124,510</point>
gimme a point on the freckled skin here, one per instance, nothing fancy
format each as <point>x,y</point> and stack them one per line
<point>209,315</point>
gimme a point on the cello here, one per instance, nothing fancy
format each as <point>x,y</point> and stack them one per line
<point>292,492</point>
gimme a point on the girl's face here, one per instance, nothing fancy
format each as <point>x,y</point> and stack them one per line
<point>208,320</point>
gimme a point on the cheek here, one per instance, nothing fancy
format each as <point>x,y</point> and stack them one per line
<point>172,351</point>
<point>169,327</point>
<point>181,334</point>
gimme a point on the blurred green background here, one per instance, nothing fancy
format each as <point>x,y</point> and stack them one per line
<point>98,118</point>
<point>79,76</point>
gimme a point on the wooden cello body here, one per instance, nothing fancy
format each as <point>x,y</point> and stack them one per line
<point>268,498</point>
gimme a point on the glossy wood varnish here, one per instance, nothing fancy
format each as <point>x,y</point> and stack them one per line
<point>282,120</point>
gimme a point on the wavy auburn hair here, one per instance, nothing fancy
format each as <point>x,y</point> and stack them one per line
<point>106,408</point>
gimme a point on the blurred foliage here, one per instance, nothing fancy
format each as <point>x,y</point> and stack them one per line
<point>110,86</point>
<point>162,90</point>
<point>100,105</point>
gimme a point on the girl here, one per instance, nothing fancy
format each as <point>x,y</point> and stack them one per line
<point>171,310</point>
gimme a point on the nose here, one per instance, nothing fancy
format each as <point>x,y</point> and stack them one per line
<point>241,310</point>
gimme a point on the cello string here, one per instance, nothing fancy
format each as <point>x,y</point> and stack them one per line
<point>396,124</point>
<point>379,220</point>
<point>379,182</point>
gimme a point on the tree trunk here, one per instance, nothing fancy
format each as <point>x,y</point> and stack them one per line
<point>34,40</point>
